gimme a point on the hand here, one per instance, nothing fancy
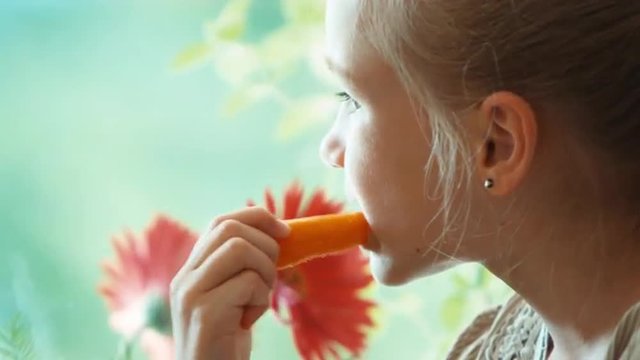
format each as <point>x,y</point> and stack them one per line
<point>224,286</point>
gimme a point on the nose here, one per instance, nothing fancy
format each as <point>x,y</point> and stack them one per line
<point>332,149</point>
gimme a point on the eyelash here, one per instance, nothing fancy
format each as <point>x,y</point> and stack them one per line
<point>345,97</point>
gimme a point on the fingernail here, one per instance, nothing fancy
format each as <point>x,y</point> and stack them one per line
<point>283,229</point>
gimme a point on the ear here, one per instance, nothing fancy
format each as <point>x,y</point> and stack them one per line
<point>505,140</point>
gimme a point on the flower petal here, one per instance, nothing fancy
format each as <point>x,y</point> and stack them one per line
<point>319,205</point>
<point>292,201</point>
<point>270,201</point>
<point>322,299</point>
<point>143,268</point>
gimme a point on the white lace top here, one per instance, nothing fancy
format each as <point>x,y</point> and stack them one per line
<point>523,338</point>
<point>514,331</point>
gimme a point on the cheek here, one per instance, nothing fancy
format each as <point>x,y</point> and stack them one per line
<point>364,166</point>
<point>385,175</point>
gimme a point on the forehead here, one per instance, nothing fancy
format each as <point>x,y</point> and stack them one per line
<point>346,48</point>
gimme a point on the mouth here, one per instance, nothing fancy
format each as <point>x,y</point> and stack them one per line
<point>372,244</point>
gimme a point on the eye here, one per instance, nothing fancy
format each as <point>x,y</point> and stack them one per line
<point>346,98</point>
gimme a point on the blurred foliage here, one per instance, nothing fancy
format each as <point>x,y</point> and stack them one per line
<point>259,70</point>
<point>15,341</point>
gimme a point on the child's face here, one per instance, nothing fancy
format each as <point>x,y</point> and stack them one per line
<point>383,148</point>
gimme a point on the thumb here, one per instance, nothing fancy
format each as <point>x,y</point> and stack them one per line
<point>251,315</point>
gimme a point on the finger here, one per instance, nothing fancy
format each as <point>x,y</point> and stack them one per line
<point>232,229</point>
<point>216,317</point>
<point>257,222</point>
<point>257,217</point>
<point>233,257</point>
<point>251,315</point>
<point>252,291</point>
<point>225,306</point>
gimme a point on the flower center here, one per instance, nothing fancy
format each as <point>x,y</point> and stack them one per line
<point>158,314</point>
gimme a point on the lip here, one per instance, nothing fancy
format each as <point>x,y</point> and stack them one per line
<point>372,243</point>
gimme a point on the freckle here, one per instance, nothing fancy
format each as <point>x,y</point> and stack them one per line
<point>418,250</point>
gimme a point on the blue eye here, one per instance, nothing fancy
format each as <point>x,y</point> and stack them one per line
<point>345,97</point>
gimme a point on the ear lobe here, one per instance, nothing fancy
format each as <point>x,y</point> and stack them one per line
<point>510,142</point>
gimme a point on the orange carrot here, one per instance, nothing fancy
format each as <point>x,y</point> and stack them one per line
<point>321,235</point>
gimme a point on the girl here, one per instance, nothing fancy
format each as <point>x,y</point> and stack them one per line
<point>499,132</point>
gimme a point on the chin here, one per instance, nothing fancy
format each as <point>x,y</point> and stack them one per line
<point>385,272</point>
<point>388,272</point>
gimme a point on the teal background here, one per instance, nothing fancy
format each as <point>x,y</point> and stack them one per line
<point>98,133</point>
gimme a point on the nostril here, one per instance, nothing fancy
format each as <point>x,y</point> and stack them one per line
<point>332,152</point>
<point>338,160</point>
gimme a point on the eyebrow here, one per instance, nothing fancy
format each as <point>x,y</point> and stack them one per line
<point>340,70</point>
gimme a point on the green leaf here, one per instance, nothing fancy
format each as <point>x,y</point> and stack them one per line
<point>230,24</point>
<point>482,278</point>
<point>302,114</point>
<point>283,49</point>
<point>16,342</point>
<point>303,12</point>
<point>452,311</point>
<point>245,97</point>
<point>460,281</point>
<point>237,63</point>
<point>191,56</point>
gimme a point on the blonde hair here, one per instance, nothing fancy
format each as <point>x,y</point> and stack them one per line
<point>576,55</point>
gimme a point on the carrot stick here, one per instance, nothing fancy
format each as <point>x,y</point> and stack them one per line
<point>321,235</point>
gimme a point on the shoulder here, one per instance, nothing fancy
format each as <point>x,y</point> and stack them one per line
<point>489,329</point>
<point>625,344</point>
<point>468,344</point>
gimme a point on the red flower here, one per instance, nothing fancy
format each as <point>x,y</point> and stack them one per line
<point>321,297</point>
<point>137,283</point>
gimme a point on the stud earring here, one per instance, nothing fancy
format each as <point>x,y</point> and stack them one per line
<point>488,184</point>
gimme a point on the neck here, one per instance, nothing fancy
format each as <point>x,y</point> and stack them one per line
<point>579,280</point>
